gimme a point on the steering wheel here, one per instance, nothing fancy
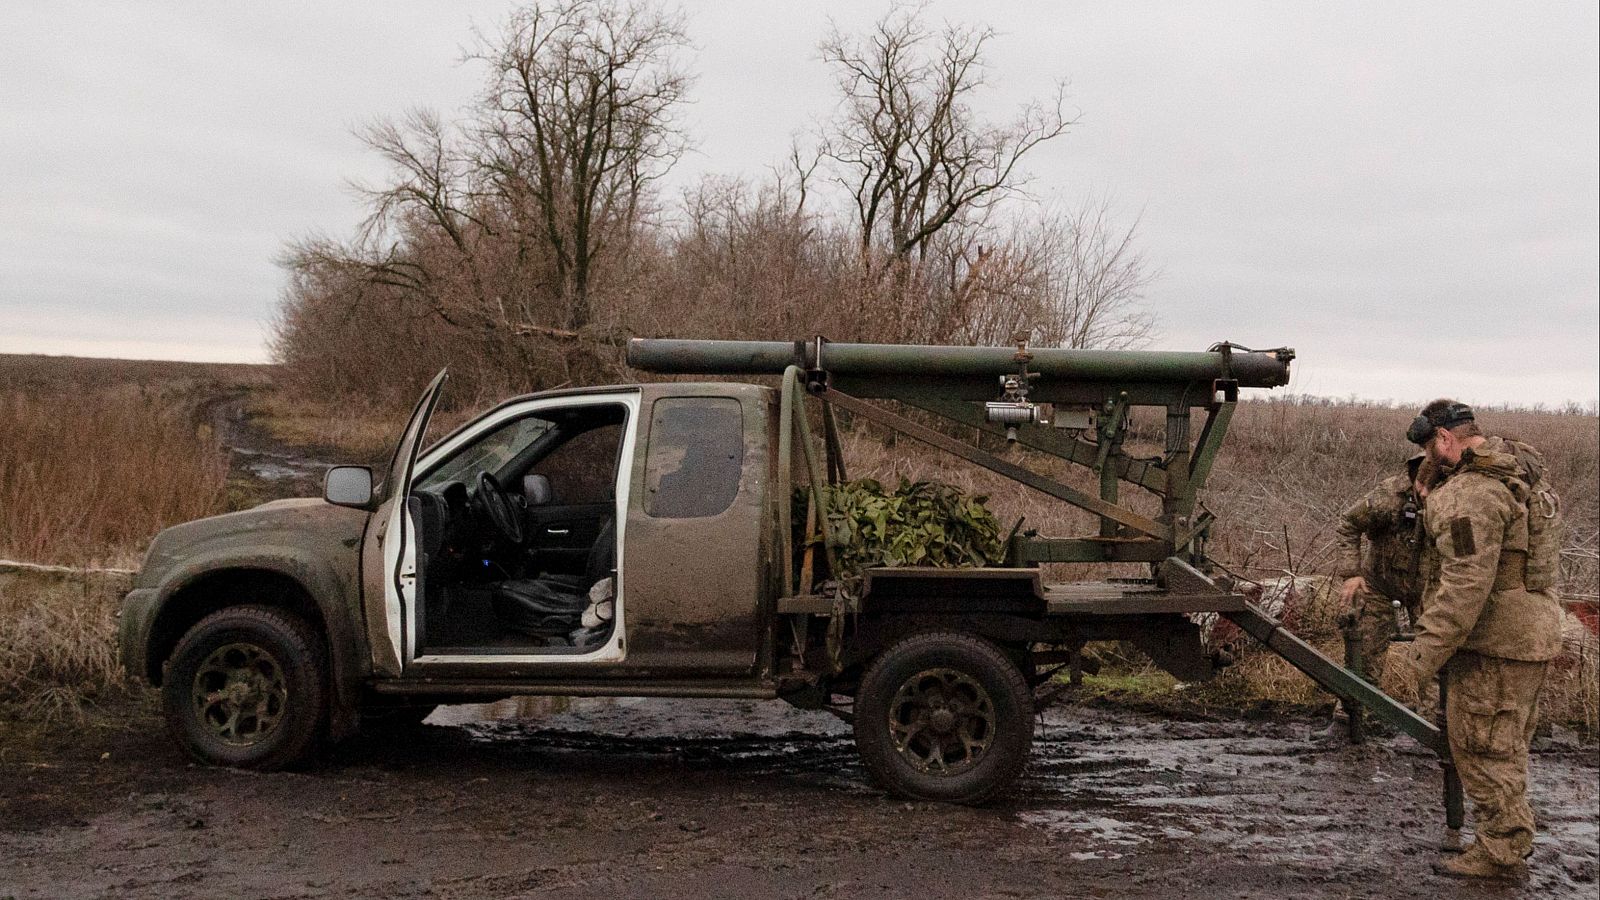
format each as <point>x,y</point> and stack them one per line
<point>500,508</point>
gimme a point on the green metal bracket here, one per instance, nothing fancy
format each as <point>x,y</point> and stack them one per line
<point>792,391</point>
<point>1210,442</point>
<point>1112,424</point>
<point>1144,473</point>
<point>995,464</point>
<point>1110,429</point>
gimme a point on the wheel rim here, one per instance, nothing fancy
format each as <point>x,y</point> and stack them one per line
<point>942,721</point>
<point>240,693</point>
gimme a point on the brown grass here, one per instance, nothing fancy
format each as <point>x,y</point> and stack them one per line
<point>88,478</point>
<point>96,456</point>
<point>347,430</point>
<point>58,642</point>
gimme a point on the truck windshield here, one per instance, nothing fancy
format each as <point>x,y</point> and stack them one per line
<point>490,452</point>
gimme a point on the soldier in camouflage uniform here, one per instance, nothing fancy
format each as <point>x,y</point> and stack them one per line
<point>1490,621</point>
<point>1389,520</point>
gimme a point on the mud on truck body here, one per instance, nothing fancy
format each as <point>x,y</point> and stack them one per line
<point>638,541</point>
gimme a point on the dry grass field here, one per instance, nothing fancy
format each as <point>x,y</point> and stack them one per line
<point>98,455</point>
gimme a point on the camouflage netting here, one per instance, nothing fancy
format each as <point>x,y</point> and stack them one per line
<point>919,523</point>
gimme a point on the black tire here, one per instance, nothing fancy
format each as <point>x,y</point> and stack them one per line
<point>247,687</point>
<point>936,691</point>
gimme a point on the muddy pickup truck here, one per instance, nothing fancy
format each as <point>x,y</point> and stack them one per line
<point>639,541</point>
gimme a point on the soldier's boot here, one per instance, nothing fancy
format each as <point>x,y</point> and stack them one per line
<point>1475,863</point>
<point>1338,730</point>
<point>1450,840</point>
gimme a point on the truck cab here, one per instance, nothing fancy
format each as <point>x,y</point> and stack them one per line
<point>608,540</point>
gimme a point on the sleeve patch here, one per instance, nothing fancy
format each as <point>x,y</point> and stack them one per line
<point>1461,536</point>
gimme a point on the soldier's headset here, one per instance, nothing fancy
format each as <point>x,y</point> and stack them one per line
<point>1423,427</point>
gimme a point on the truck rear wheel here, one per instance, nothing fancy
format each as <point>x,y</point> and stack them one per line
<point>245,687</point>
<point>944,716</point>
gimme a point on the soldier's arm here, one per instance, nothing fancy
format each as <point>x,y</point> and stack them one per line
<point>1467,526</point>
<point>1352,525</point>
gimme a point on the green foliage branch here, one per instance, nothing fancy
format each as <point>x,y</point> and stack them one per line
<point>918,523</point>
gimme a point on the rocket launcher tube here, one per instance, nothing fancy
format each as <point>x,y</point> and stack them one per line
<point>687,357</point>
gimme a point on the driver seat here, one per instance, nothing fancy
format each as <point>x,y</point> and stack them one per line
<point>552,604</point>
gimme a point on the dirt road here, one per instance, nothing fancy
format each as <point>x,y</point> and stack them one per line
<point>271,469</point>
<point>656,798</point>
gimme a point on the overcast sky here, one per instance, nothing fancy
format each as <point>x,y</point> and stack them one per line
<point>1406,193</point>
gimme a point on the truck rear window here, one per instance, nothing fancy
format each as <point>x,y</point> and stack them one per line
<point>695,458</point>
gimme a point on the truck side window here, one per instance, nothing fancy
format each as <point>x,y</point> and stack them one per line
<point>695,458</point>
<point>584,469</point>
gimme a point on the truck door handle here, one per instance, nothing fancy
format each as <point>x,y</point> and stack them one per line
<point>558,531</point>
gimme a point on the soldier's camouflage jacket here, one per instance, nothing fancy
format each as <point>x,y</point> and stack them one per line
<point>1477,598</point>
<point>1391,565</point>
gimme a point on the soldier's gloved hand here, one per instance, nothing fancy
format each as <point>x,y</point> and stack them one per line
<point>1347,593</point>
<point>1421,675</point>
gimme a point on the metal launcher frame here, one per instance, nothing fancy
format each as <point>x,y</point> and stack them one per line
<point>1051,401</point>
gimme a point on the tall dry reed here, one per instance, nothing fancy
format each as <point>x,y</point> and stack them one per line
<point>90,477</point>
<point>58,650</point>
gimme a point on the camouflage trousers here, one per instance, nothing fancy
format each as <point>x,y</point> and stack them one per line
<point>1492,708</point>
<point>1375,626</point>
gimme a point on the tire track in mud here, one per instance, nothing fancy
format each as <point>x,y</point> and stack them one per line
<point>271,468</point>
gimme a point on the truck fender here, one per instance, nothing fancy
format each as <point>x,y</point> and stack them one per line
<point>328,599</point>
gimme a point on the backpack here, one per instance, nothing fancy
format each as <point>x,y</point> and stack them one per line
<point>1545,527</point>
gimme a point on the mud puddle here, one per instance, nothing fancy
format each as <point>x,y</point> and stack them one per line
<point>273,469</point>
<point>748,738</point>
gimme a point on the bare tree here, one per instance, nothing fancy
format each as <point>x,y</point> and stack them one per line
<point>427,202</point>
<point>1069,280</point>
<point>577,120</point>
<point>906,144</point>
<point>519,242</point>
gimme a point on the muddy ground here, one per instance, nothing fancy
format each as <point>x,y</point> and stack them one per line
<point>669,798</point>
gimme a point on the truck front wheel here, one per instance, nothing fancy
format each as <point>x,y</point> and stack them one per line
<point>944,716</point>
<point>245,688</point>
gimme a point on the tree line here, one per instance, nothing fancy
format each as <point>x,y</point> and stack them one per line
<point>524,241</point>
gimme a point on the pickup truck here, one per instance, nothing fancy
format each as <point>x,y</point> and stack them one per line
<point>638,541</point>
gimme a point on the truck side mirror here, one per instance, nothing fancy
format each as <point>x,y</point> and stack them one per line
<point>348,486</point>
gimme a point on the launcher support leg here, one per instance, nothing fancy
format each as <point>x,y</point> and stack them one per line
<point>1353,662</point>
<point>1347,685</point>
<point>1455,812</point>
<point>1334,678</point>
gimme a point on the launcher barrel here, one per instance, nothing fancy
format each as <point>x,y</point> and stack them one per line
<point>880,361</point>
